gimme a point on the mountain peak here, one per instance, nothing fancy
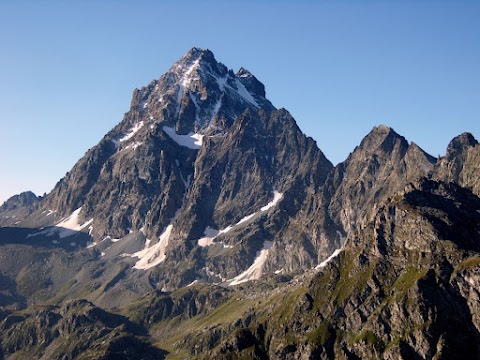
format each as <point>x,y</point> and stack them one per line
<point>196,52</point>
<point>198,91</point>
<point>242,72</point>
<point>25,198</point>
<point>197,55</point>
<point>460,143</point>
<point>382,128</point>
<point>201,64</point>
<point>384,137</point>
<point>382,131</point>
<point>196,59</point>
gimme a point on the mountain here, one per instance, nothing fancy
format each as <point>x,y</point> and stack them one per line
<point>198,182</point>
<point>18,207</point>
<point>382,164</point>
<point>206,224</point>
<point>460,164</point>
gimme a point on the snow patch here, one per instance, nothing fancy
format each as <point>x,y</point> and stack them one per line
<point>241,90</point>
<point>152,256</point>
<point>187,77</point>
<point>221,82</point>
<point>244,93</point>
<point>227,229</point>
<point>193,283</point>
<point>179,98</point>
<point>184,83</point>
<point>197,107</point>
<point>276,198</point>
<point>66,227</point>
<point>211,234</point>
<point>216,108</point>
<point>70,225</point>
<point>132,131</point>
<point>191,140</point>
<point>246,218</point>
<point>325,262</point>
<point>199,139</point>
<point>212,274</point>
<point>133,146</point>
<point>112,239</point>
<point>342,238</point>
<point>255,271</point>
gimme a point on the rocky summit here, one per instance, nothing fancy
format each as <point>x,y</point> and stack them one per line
<point>207,225</point>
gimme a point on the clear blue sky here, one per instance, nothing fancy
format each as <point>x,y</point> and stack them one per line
<point>68,69</point>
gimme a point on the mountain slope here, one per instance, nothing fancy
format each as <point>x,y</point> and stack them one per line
<point>404,286</point>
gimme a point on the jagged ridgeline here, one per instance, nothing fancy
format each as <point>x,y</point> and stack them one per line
<point>208,225</point>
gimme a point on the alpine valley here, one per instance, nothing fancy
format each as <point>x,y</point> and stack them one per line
<point>206,225</point>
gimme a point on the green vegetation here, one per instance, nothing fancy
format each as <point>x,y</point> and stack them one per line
<point>32,281</point>
<point>321,334</point>
<point>407,280</point>
<point>63,291</point>
<point>393,343</point>
<point>94,290</point>
<point>349,281</point>
<point>468,264</point>
<point>367,337</point>
<point>285,312</point>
